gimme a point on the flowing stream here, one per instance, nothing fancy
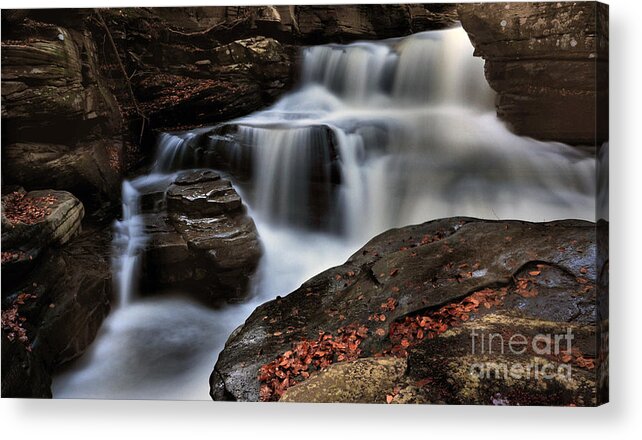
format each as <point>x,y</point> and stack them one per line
<point>377,135</point>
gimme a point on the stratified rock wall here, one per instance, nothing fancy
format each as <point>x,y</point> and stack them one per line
<point>60,123</point>
<point>548,63</point>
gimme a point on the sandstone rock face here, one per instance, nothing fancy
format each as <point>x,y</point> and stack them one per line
<point>60,121</point>
<point>44,81</point>
<point>548,63</point>
<point>349,22</point>
<point>313,24</point>
<point>531,276</point>
<point>204,239</point>
<point>82,169</point>
<point>67,298</point>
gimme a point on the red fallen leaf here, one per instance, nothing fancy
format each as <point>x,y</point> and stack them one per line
<point>566,358</point>
<point>423,382</point>
<point>338,277</point>
<point>389,398</point>
<point>405,343</point>
<point>471,301</point>
<point>583,270</point>
<point>534,272</point>
<point>395,289</point>
<point>380,331</point>
<point>382,317</point>
<point>394,272</point>
<point>585,363</point>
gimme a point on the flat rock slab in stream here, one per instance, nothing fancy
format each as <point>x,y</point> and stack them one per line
<point>32,222</point>
<point>206,194</point>
<point>535,275</point>
<point>204,241</point>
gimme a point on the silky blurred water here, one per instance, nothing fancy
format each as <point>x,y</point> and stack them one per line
<point>410,125</point>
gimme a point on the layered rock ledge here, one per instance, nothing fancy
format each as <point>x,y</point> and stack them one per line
<point>548,63</point>
<point>203,240</point>
<point>416,293</point>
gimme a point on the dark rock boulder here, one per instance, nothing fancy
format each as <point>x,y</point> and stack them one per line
<point>533,273</point>
<point>204,240</point>
<point>50,317</point>
<point>548,63</point>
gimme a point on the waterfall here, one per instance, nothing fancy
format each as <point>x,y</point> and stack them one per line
<point>388,133</point>
<point>377,135</point>
<point>129,233</point>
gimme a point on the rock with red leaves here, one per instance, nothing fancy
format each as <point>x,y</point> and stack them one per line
<point>33,221</point>
<point>410,287</point>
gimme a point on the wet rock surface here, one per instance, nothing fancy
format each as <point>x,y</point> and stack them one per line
<point>204,239</point>
<point>548,63</point>
<point>50,317</point>
<point>202,194</point>
<point>540,276</point>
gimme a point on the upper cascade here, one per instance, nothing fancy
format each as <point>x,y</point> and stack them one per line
<point>385,134</point>
<point>434,67</point>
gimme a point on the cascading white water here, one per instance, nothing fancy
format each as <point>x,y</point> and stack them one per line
<point>413,125</point>
<point>129,233</point>
<point>378,135</point>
